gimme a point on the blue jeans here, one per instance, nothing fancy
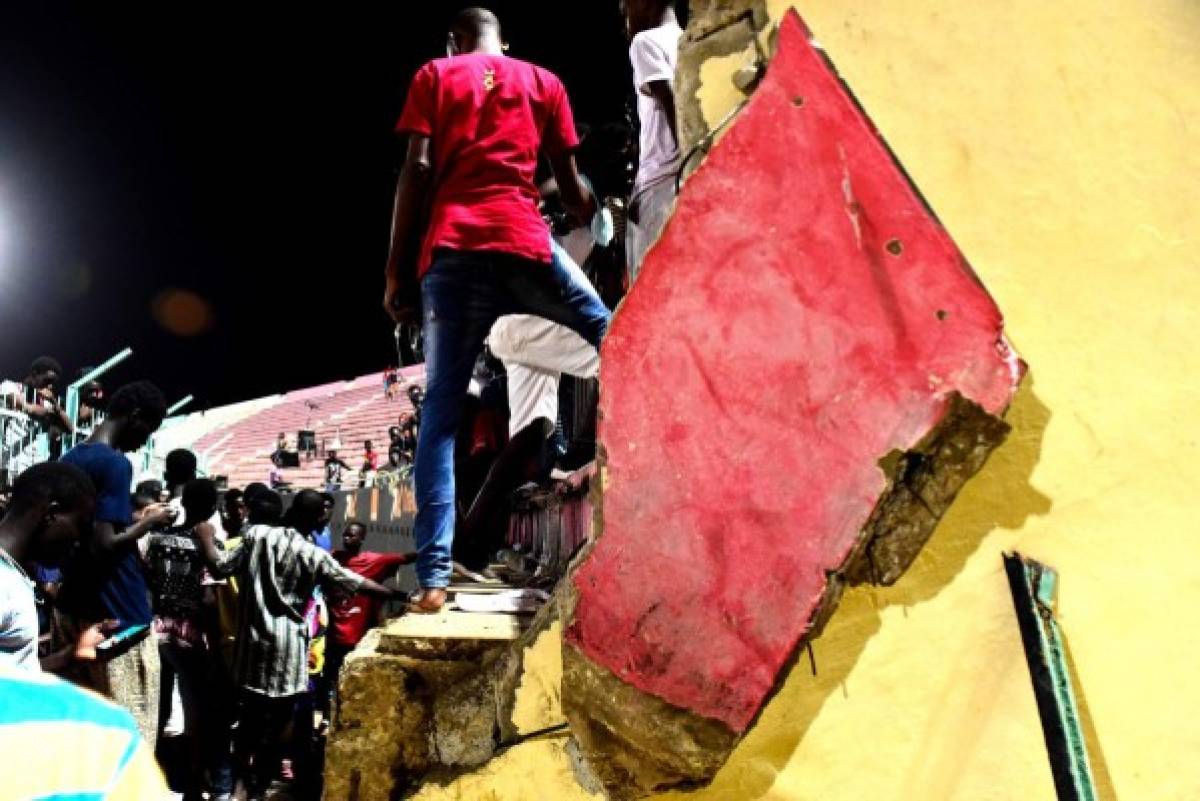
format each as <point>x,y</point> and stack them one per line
<point>463,294</point>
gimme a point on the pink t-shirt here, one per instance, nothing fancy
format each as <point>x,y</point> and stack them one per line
<point>487,117</point>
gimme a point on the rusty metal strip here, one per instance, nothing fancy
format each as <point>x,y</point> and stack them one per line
<point>1034,588</point>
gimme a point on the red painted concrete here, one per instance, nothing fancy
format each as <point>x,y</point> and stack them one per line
<point>772,352</point>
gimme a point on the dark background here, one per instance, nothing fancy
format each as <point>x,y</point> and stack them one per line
<point>243,155</point>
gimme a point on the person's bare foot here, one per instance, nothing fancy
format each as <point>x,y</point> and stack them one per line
<point>429,602</point>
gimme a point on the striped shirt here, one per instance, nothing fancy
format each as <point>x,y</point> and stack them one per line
<point>64,743</point>
<point>277,569</point>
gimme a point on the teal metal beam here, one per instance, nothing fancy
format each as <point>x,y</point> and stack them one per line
<point>1034,589</point>
<point>179,404</point>
<point>74,387</point>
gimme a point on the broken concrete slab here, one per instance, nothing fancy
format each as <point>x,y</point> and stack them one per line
<point>430,696</point>
<point>717,28</point>
<point>806,374</point>
<point>385,733</point>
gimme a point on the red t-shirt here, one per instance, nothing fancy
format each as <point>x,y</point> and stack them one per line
<point>351,615</point>
<point>487,117</point>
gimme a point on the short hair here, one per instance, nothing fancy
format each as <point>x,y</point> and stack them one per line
<point>266,507</point>
<point>355,524</point>
<point>327,497</point>
<point>475,21</point>
<point>151,487</point>
<point>200,497</point>
<point>141,500</point>
<point>252,489</point>
<point>233,495</point>
<point>45,364</point>
<point>180,465</point>
<point>50,482</point>
<point>307,507</point>
<point>139,396</point>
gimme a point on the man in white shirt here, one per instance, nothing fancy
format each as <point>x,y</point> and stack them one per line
<point>654,49</point>
<point>52,508</point>
<point>28,409</point>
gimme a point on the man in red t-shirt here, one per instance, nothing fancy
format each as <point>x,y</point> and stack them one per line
<point>476,122</point>
<point>351,615</point>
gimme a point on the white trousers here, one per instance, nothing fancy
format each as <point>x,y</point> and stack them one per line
<point>536,352</point>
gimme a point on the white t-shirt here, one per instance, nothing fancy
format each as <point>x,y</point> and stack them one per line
<point>18,618</point>
<point>654,54</point>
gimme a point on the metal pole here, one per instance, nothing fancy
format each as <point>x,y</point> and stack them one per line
<point>73,388</point>
<point>1033,587</point>
<point>179,404</point>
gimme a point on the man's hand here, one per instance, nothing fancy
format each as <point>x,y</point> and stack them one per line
<point>401,295</point>
<point>400,305</point>
<point>89,638</point>
<point>159,514</point>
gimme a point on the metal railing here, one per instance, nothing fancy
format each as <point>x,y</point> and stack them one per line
<point>25,441</point>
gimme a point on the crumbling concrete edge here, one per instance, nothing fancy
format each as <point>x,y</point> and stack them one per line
<point>922,483</point>
<point>716,28</point>
<point>475,717</point>
<point>678,748</point>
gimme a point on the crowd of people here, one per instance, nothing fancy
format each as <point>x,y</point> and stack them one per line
<point>199,612</point>
<point>218,619</point>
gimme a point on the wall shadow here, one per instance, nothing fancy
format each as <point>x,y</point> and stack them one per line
<point>1000,496</point>
<point>1105,791</point>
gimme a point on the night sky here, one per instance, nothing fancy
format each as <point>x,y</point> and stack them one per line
<point>245,156</point>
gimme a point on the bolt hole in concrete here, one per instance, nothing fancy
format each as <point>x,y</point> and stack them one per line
<point>895,247</point>
<point>797,101</point>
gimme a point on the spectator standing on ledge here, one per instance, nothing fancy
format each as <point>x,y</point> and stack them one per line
<point>476,122</point>
<point>654,51</point>
<point>35,397</point>
<point>333,472</point>
<point>105,580</point>
<point>416,396</point>
<point>370,465</point>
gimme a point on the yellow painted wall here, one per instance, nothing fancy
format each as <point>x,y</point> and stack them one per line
<point>1060,144</point>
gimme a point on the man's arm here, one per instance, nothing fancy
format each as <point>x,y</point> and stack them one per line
<point>574,192</point>
<point>665,95</point>
<point>391,561</point>
<point>219,563</point>
<point>109,539</point>
<point>377,590</point>
<point>333,576</point>
<point>83,650</point>
<point>52,414</point>
<point>401,288</point>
